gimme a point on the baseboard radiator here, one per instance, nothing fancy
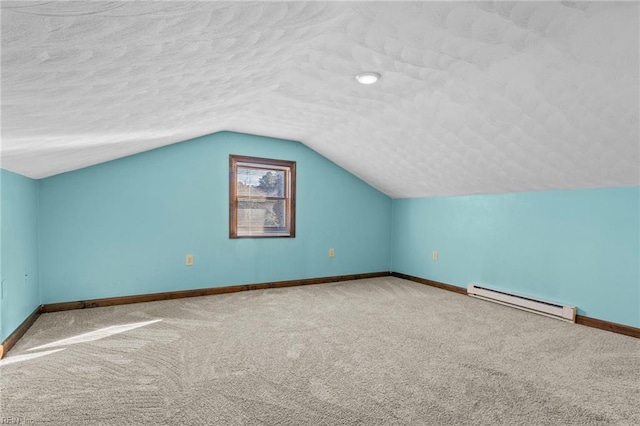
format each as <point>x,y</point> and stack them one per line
<point>542,307</point>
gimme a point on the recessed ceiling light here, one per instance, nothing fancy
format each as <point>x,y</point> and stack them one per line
<point>367,77</point>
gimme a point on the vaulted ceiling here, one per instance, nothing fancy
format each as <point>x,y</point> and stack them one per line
<point>474,97</point>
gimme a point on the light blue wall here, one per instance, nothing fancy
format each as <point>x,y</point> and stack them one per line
<point>579,247</point>
<point>124,227</point>
<point>19,252</point>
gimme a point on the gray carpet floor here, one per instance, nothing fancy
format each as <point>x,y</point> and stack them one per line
<point>369,352</point>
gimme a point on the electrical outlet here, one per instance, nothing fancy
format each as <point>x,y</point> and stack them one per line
<point>188,260</point>
<point>332,252</point>
<point>434,255</point>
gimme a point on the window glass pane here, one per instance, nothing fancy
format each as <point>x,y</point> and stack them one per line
<point>260,182</point>
<point>261,197</point>
<point>261,215</point>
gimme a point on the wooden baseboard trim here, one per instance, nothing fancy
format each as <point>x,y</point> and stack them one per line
<point>13,338</point>
<point>125,300</point>
<point>627,330</point>
<point>614,327</point>
<point>10,341</point>
<point>431,283</point>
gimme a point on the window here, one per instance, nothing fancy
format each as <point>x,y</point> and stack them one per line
<point>262,197</point>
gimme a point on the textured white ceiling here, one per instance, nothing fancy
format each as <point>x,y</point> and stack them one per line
<point>474,97</point>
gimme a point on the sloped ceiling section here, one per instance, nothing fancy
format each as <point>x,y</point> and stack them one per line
<point>474,97</point>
